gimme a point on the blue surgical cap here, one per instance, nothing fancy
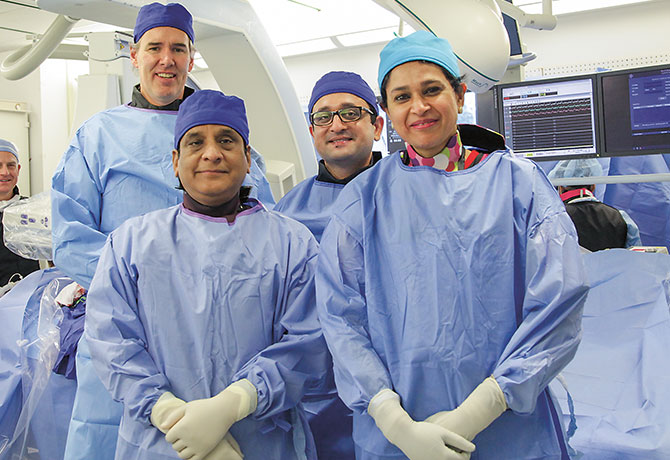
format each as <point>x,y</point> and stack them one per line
<point>6,146</point>
<point>566,169</point>
<point>157,15</point>
<point>343,82</point>
<point>209,107</point>
<point>419,46</point>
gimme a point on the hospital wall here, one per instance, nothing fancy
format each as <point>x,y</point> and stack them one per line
<point>617,37</point>
<point>27,90</point>
<point>49,92</point>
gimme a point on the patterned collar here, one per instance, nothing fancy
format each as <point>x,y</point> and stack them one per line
<point>447,159</point>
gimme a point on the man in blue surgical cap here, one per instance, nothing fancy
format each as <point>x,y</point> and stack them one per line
<point>118,166</point>
<point>201,316</point>
<point>599,226</point>
<point>344,123</point>
<point>449,285</point>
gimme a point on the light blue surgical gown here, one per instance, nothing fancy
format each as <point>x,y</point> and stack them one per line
<point>117,166</point>
<point>428,282</point>
<point>620,376</point>
<point>188,303</point>
<point>311,202</point>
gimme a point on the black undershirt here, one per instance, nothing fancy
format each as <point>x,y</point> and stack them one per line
<point>230,208</point>
<point>325,176</point>
<point>139,101</point>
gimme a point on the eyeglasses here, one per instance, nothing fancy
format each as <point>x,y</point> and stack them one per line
<point>347,115</point>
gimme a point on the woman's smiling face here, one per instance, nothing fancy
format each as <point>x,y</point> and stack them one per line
<point>423,106</point>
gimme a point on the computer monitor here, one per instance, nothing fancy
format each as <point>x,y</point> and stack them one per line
<point>635,111</point>
<point>550,119</point>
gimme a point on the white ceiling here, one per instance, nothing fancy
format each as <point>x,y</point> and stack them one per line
<point>295,26</point>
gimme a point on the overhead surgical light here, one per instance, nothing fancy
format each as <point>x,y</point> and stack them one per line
<point>544,21</point>
<point>475,30</point>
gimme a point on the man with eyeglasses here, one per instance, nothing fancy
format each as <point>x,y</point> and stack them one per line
<point>344,123</point>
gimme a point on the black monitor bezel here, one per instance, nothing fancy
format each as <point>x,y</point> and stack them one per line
<point>596,114</point>
<point>601,111</point>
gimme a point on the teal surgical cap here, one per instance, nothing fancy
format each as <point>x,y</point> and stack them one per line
<point>566,169</point>
<point>419,46</point>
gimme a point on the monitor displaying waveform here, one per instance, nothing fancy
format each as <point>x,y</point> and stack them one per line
<point>549,119</point>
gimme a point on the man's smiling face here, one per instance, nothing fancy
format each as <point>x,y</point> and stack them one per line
<point>164,60</point>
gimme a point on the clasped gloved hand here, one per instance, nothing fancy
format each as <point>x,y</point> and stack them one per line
<point>417,440</point>
<point>485,404</point>
<point>227,449</point>
<point>166,412</point>
<point>202,424</point>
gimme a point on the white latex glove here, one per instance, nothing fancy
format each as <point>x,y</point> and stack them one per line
<point>205,422</point>
<point>417,440</point>
<point>227,449</point>
<point>485,404</point>
<point>165,412</point>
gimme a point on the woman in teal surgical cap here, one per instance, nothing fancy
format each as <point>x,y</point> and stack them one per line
<point>450,285</point>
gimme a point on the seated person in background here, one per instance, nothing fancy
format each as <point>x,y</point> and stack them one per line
<point>211,301</point>
<point>10,263</point>
<point>599,226</point>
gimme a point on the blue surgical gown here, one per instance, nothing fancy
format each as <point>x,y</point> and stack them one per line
<point>311,202</point>
<point>430,281</point>
<point>117,166</point>
<point>648,203</point>
<point>189,304</point>
<point>620,376</point>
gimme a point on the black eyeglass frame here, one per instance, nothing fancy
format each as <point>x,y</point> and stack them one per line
<point>337,112</point>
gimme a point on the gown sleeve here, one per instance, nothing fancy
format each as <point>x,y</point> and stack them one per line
<point>116,336</point>
<point>340,289</point>
<point>260,186</point>
<point>554,291</point>
<point>75,209</point>
<point>296,361</point>
<point>632,230</point>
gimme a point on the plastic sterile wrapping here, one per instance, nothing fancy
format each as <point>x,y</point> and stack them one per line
<point>27,227</point>
<point>41,400</point>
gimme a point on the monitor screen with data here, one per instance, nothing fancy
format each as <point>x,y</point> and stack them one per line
<point>550,119</point>
<point>635,111</point>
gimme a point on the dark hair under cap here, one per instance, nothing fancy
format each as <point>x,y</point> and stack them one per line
<point>158,15</point>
